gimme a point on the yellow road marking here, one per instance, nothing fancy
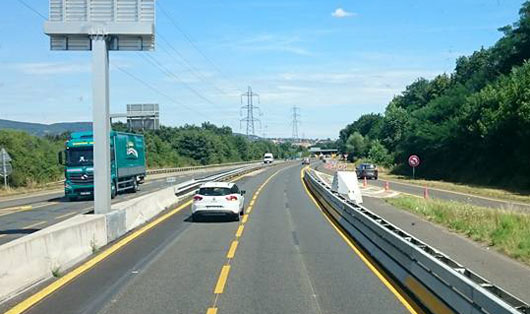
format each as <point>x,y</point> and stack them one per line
<point>232,250</point>
<point>251,203</point>
<point>359,253</point>
<point>223,277</point>
<point>18,209</point>
<point>426,297</point>
<point>38,296</point>
<point>220,286</point>
<point>240,231</point>
<point>65,215</point>
<point>35,224</point>
<point>45,204</point>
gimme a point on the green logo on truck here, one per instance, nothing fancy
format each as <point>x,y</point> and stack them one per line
<point>131,151</point>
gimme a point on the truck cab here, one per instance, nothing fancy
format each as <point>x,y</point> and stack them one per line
<point>127,164</point>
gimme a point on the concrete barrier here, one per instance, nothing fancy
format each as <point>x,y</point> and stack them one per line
<point>140,210</point>
<point>45,253</point>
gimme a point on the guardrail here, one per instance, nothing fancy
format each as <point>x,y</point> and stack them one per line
<point>421,269</point>
<point>190,168</point>
<point>192,185</point>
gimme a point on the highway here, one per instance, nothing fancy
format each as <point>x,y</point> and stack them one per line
<point>285,256</point>
<point>415,190</point>
<point>26,214</point>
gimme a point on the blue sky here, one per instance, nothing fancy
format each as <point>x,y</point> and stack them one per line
<point>334,59</point>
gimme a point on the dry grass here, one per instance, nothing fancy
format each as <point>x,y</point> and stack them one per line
<point>506,231</point>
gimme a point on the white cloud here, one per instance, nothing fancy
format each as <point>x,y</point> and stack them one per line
<point>340,13</point>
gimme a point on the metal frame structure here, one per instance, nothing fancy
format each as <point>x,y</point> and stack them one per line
<point>100,26</point>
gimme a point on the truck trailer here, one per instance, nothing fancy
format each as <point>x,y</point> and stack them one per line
<point>128,168</point>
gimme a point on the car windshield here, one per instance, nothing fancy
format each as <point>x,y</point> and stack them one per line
<point>81,156</point>
<point>214,191</point>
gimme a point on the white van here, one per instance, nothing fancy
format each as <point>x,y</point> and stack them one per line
<point>268,158</point>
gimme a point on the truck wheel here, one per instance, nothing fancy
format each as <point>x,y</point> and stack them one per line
<point>114,192</point>
<point>135,186</point>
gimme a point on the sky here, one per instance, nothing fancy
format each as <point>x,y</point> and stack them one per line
<point>335,60</point>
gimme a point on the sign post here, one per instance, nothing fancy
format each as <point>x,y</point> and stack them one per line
<point>101,26</point>
<point>6,169</point>
<point>414,161</point>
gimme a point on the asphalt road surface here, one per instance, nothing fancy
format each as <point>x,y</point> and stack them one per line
<point>288,259</point>
<point>17,218</point>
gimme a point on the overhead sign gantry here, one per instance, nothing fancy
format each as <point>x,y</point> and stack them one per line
<point>100,26</point>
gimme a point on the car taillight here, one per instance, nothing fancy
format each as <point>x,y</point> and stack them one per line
<point>231,198</point>
<point>197,198</point>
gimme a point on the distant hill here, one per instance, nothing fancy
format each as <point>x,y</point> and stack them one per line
<point>40,129</point>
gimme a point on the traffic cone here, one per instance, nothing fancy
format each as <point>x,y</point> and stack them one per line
<point>365,183</point>
<point>426,193</point>
<point>387,186</point>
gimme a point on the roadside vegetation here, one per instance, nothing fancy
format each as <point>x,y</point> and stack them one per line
<point>506,231</point>
<point>35,161</point>
<point>470,126</point>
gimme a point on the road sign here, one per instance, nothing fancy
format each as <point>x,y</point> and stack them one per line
<point>6,171</point>
<point>5,167</point>
<point>4,156</point>
<point>414,161</point>
<point>101,26</point>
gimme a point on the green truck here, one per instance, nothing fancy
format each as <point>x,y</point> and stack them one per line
<point>128,168</point>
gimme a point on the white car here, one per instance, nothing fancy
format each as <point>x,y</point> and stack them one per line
<point>268,158</point>
<point>218,199</point>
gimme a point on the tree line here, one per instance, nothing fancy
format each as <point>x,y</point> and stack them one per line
<point>35,158</point>
<point>471,125</point>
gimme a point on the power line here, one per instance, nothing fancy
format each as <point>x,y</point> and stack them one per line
<point>32,9</point>
<point>295,116</point>
<point>250,108</point>
<point>190,40</point>
<point>151,87</point>
<point>168,72</point>
<point>187,64</point>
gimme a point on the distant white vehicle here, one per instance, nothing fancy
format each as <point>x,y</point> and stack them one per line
<point>268,158</point>
<point>218,199</point>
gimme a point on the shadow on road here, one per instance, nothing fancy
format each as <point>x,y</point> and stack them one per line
<point>19,231</point>
<point>209,219</point>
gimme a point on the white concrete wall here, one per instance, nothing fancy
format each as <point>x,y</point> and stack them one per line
<point>33,258</point>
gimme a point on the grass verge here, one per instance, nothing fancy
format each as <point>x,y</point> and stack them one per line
<point>506,231</point>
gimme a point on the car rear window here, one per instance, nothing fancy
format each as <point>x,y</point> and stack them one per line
<point>214,191</point>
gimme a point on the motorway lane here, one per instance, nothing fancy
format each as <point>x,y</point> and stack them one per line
<point>48,210</point>
<point>289,260</point>
<point>444,195</point>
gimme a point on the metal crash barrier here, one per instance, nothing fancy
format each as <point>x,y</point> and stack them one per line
<point>441,284</point>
